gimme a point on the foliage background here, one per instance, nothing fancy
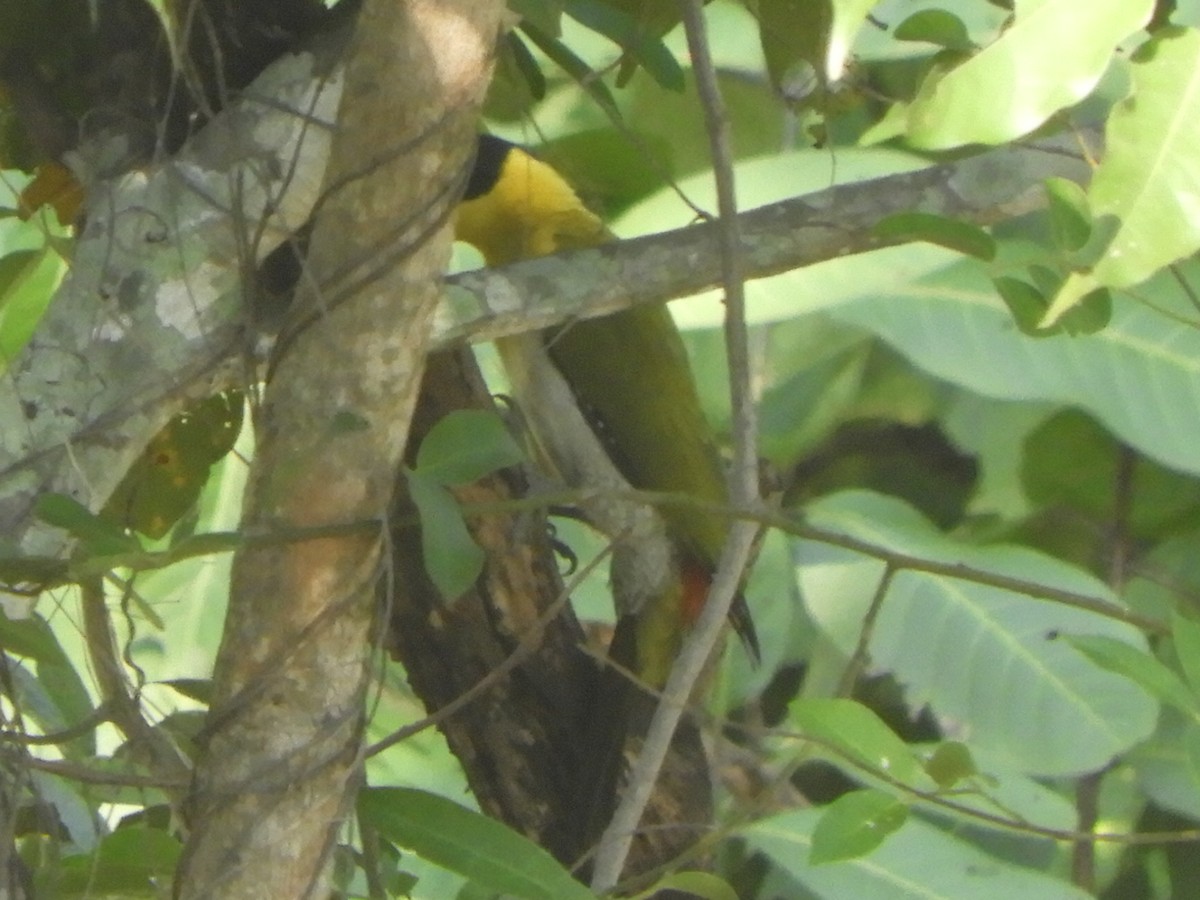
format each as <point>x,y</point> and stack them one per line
<point>904,406</point>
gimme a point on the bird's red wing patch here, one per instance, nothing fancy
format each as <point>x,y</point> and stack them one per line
<point>696,582</point>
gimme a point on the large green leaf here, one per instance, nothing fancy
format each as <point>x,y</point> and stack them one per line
<point>795,37</point>
<point>1149,179</point>
<point>130,862</point>
<point>1028,73</point>
<point>1140,376</point>
<point>483,850</point>
<point>99,536</point>
<point>984,657</point>
<point>75,806</point>
<point>1185,635</point>
<point>1141,668</point>
<point>919,862</point>
<point>646,50</point>
<point>818,33</point>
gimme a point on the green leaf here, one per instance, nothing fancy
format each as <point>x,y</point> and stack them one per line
<point>1070,460</point>
<point>30,637</point>
<point>935,26</point>
<point>1168,764</point>
<point>795,41</point>
<point>1185,634</point>
<point>1026,75</point>
<point>1024,696</point>
<point>626,33</point>
<point>198,689</point>
<point>452,558</point>
<point>20,573</point>
<point>545,14</point>
<point>468,843</point>
<point>74,806</point>
<point>1026,303</point>
<point>608,166</point>
<point>56,699</point>
<point>855,732</point>
<point>918,861</point>
<point>950,763</point>
<point>961,237</point>
<point>99,537</point>
<point>848,19</point>
<point>130,862</point>
<point>1147,179</point>
<point>464,446</point>
<point>1092,313</point>
<point>524,64</point>
<point>1141,668</point>
<point>66,689</point>
<point>855,824</point>
<point>566,59</point>
<point>27,282</point>
<point>1138,376</point>
<point>15,270</point>
<point>1070,216</point>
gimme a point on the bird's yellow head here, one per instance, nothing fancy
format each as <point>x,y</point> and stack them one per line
<point>517,207</point>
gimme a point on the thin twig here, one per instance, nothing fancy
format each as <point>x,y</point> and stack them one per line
<point>90,722</point>
<point>1087,814</point>
<point>858,660</point>
<point>615,843</point>
<point>85,775</point>
<point>223,542</point>
<point>165,759</point>
<point>1008,822</point>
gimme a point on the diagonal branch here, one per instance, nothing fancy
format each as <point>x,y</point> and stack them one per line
<point>697,649</point>
<point>992,187</point>
<point>119,406</point>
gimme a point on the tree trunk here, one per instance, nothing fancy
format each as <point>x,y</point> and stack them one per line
<point>282,745</point>
<point>519,739</point>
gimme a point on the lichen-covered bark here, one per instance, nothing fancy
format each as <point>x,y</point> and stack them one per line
<point>282,745</point>
<point>151,316</point>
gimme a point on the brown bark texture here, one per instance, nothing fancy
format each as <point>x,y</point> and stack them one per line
<point>535,737</point>
<point>281,755</point>
<point>519,737</point>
